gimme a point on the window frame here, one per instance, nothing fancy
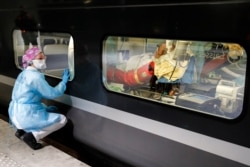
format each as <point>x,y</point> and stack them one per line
<point>61,40</point>
<point>228,95</point>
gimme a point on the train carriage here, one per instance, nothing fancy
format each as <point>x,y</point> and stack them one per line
<point>153,83</point>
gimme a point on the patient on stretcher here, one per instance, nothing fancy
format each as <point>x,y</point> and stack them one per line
<point>150,69</point>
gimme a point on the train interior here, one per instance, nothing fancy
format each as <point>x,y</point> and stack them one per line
<point>206,77</point>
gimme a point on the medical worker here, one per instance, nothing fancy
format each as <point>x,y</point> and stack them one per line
<point>33,119</point>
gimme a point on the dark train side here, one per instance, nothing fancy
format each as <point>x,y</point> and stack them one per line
<point>122,102</point>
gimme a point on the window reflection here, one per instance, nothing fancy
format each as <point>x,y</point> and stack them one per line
<point>58,48</point>
<point>201,76</point>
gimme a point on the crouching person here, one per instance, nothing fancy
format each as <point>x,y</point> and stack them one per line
<point>33,119</point>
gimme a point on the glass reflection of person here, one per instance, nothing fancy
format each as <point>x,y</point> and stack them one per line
<point>33,119</point>
<point>27,24</point>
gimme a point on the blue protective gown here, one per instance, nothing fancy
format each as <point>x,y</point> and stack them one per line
<point>30,87</point>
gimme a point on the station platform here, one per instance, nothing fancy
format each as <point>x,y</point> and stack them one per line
<point>15,153</point>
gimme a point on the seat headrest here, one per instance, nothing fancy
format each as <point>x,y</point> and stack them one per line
<point>55,49</point>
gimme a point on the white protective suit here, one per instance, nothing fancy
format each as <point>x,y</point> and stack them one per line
<point>26,110</point>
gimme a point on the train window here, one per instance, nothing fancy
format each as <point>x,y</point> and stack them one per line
<point>202,76</point>
<point>58,48</point>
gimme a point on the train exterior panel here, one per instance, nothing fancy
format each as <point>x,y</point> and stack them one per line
<point>134,131</point>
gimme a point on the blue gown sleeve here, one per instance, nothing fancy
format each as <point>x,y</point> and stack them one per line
<point>43,88</point>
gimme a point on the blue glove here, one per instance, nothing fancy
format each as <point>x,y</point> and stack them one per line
<point>65,76</point>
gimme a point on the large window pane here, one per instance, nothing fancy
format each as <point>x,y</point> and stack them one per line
<point>202,76</point>
<point>58,48</point>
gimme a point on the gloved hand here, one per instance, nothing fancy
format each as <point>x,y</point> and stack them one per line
<point>65,76</point>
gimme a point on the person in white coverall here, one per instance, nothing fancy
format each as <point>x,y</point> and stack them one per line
<point>33,119</point>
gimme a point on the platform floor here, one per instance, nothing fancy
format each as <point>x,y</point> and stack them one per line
<point>15,153</point>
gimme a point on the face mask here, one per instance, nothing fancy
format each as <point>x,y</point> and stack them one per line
<point>39,64</point>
